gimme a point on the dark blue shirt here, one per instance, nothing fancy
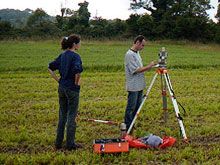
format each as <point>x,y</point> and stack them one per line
<point>69,64</point>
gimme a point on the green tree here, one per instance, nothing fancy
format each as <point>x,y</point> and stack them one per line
<point>192,28</point>
<point>192,20</point>
<point>77,21</point>
<point>157,7</point>
<point>63,19</point>
<point>177,18</point>
<point>97,28</point>
<point>84,14</point>
<point>217,33</point>
<point>115,28</point>
<point>39,24</point>
<point>133,28</point>
<point>5,28</point>
<point>146,26</point>
<point>217,26</point>
<point>38,16</point>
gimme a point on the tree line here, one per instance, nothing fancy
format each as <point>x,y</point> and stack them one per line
<point>164,19</point>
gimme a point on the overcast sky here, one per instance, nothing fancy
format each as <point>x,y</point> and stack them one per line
<point>108,9</point>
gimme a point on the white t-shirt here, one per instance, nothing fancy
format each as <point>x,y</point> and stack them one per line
<point>134,81</point>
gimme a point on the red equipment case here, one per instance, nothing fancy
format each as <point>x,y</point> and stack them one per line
<point>110,146</point>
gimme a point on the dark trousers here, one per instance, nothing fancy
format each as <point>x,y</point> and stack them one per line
<point>69,102</point>
<point>134,101</point>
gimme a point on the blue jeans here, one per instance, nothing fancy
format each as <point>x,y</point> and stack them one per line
<point>69,102</point>
<point>134,101</point>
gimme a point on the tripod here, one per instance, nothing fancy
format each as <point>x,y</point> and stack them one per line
<point>165,82</point>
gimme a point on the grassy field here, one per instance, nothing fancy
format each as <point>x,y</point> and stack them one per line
<point>29,103</point>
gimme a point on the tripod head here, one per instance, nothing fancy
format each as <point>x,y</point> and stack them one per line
<point>162,58</point>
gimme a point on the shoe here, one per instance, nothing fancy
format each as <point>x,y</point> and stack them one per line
<point>58,147</point>
<point>74,147</point>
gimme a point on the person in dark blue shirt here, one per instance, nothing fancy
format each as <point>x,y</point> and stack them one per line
<point>69,65</point>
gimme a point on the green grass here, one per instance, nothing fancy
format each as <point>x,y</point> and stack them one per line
<point>96,56</point>
<point>29,103</point>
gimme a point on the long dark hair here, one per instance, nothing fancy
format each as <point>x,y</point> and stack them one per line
<point>67,42</point>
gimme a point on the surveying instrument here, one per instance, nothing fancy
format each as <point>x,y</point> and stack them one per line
<point>165,84</point>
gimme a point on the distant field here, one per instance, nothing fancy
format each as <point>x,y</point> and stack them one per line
<point>105,56</point>
<point>29,103</point>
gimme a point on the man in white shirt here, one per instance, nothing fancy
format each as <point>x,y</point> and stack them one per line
<point>135,81</point>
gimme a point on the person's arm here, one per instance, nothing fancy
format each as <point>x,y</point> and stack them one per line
<point>77,67</point>
<point>145,68</point>
<point>53,75</point>
<point>77,79</point>
<point>54,65</point>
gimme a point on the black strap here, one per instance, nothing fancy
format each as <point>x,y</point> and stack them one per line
<point>182,108</point>
<point>175,95</point>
